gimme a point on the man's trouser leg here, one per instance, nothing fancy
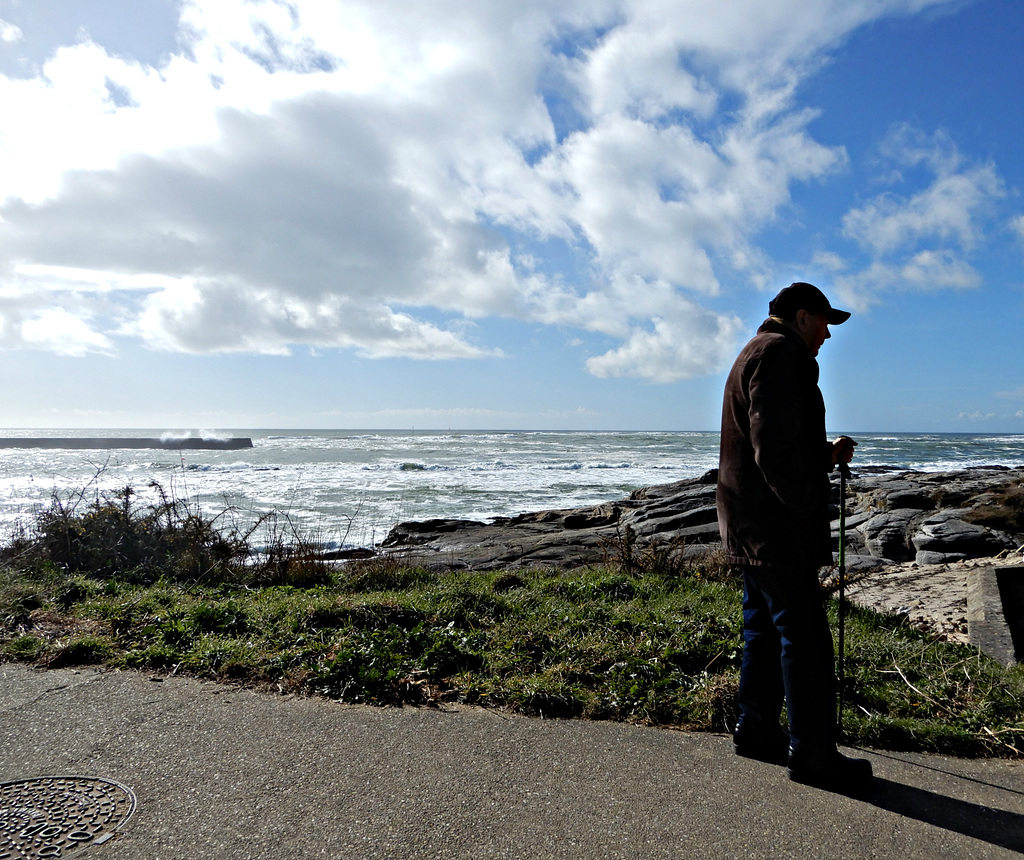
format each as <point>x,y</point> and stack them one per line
<point>804,654</point>
<point>761,687</point>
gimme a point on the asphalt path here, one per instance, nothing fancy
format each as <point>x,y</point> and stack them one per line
<point>220,772</point>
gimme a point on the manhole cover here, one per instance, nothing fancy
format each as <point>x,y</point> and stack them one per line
<point>55,816</point>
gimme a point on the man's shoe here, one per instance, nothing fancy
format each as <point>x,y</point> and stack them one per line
<point>772,748</point>
<point>832,771</point>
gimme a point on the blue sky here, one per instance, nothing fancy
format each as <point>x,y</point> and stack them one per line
<point>529,214</point>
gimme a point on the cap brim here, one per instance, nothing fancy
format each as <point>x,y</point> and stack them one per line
<point>836,316</point>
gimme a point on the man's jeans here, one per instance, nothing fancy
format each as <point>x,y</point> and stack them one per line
<point>787,652</point>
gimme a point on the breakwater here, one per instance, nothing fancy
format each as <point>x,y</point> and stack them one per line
<point>171,443</point>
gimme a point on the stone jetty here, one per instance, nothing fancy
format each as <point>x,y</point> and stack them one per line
<point>103,443</point>
<point>892,517</point>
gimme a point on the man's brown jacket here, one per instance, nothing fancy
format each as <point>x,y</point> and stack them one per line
<point>773,485</point>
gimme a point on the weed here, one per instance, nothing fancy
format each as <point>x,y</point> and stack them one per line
<point>111,538</point>
<point>382,573</point>
<point>27,647</point>
<point>83,650</point>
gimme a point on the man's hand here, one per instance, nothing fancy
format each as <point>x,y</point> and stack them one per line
<point>842,450</point>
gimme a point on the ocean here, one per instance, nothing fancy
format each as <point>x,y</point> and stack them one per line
<point>348,488</point>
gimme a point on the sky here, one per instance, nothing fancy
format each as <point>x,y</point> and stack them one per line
<point>504,214</point>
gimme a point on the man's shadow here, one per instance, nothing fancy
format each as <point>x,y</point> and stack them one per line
<point>995,826</point>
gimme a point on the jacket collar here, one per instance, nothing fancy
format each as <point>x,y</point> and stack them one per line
<point>773,325</point>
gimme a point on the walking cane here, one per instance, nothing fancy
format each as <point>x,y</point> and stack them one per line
<point>844,473</point>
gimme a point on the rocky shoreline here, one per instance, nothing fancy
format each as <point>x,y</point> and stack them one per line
<point>912,538</point>
<point>892,517</point>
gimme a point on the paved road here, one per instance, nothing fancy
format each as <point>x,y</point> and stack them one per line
<point>225,773</point>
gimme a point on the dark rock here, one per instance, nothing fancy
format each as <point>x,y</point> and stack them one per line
<point>603,515</point>
<point>946,532</point>
<point>930,557</point>
<point>903,492</point>
<point>911,498</point>
<point>420,532</point>
<point>674,519</point>
<point>858,562</point>
<point>886,535</point>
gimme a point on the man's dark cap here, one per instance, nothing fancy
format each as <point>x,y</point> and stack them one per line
<point>807,297</point>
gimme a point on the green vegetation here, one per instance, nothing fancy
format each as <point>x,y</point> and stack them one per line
<point>645,638</point>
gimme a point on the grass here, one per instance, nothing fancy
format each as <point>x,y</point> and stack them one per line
<point>644,638</point>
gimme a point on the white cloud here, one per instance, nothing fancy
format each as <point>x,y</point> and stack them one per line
<point>1017,226</point>
<point>672,349</point>
<point>924,271</point>
<point>636,71</point>
<point>53,329</point>
<point>930,270</point>
<point>233,317</point>
<point>947,211</point>
<point>922,240</point>
<point>43,278</point>
<point>9,33</point>
<point>664,203</point>
<point>344,174</point>
<point>829,261</point>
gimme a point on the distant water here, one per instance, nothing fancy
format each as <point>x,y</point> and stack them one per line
<point>351,487</point>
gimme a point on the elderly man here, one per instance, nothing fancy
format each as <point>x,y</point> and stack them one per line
<point>773,513</point>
